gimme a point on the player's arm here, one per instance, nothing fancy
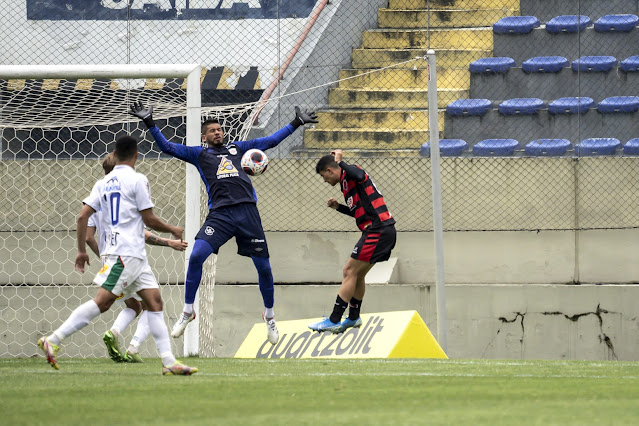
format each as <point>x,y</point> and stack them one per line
<point>152,221</point>
<point>186,153</point>
<point>332,203</point>
<point>83,220</point>
<point>353,172</point>
<point>302,117</point>
<point>91,241</point>
<point>156,240</point>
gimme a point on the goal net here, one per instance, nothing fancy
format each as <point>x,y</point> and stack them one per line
<point>56,125</point>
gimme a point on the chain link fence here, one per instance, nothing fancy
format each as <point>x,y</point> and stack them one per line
<point>537,111</point>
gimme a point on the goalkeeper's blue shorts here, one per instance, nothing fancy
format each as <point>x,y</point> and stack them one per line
<point>241,221</point>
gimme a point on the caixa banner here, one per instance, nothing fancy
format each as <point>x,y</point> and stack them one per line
<point>400,334</point>
<point>122,10</point>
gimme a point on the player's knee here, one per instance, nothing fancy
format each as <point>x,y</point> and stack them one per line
<point>135,305</point>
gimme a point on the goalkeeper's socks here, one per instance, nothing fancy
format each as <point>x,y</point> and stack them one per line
<point>354,307</point>
<point>188,308</point>
<point>338,310</point>
<point>269,313</point>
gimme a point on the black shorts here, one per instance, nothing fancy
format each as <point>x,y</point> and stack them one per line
<point>241,221</point>
<point>375,245</point>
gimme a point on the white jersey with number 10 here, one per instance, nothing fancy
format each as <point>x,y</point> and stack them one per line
<point>121,196</point>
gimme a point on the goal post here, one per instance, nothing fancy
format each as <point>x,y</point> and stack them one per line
<point>68,115</point>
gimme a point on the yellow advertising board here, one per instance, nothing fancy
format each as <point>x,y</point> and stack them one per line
<point>401,334</point>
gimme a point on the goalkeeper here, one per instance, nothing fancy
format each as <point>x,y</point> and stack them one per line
<point>232,205</point>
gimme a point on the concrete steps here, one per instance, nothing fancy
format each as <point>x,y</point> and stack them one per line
<point>447,78</point>
<point>385,112</point>
<point>441,18</point>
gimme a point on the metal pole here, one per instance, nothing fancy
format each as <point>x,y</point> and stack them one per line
<point>438,232</point>
<point>192,218</point>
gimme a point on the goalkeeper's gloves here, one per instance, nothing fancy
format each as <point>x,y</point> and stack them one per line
<point>303,117</point>
<point>143,113</point>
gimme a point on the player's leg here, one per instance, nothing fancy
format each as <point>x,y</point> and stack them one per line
<point>216,230</point>
<point>125,317</point>
<point>380,253</point>
<point>149,290</point>
<point>141,333</point>
<point>251,242</point>
<point>79,318</point>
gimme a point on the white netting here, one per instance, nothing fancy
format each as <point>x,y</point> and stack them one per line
<point>53,135</point>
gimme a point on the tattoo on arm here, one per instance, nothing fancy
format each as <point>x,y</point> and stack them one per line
<point>154,240</point>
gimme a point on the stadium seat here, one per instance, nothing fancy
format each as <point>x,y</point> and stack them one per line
<point>616,104</point>
<point>568,24</point>
<point>594,63</point>
<point>545,64</point>
<point>616,23</point>
<point>520,106</point>
<point>447,148</point>
<point>464,107</point>
<point>547,147</point>
<point>597,146</point>
<point>492,65</point>
<point>515,25</point>
<point>495,147</point>
<point>630,64</point>
<point>570,105</point>
<point>631,147</point>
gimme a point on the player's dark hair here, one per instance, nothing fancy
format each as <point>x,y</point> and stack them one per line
<point>125,148</point>
<point>206,123</point>
<point>108,163</point>
<point>325,162</point>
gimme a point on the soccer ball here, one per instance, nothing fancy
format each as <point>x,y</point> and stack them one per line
<point>254,162</point>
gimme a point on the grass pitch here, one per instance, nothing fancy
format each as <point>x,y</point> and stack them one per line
<point>298,392</point>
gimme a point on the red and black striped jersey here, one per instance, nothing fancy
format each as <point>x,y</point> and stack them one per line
<point>363,201</point>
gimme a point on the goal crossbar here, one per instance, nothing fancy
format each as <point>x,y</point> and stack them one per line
<point>106,71</point>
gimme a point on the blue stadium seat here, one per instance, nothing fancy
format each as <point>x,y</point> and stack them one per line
<point>594,63</point>
<point>597,146</point>
<point>520,106</point>
<point>619,104</point>
<point>630,64</point>
<point>515,25</point>
<point>616,23</point>
<point>631,147</point>
<point>570,105</point>
<point>568,24</point>
<point>547,147</point>
<point>447,148</point>
<point>495,147</point>
<point>545,64</point>
<point>463,107</point>
<point>492,65</point>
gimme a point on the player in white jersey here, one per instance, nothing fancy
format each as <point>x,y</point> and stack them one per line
<point>132,301</point>
<point>124,197</point>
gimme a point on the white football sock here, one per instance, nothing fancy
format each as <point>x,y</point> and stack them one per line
<point>188,308</point>
<point>125,317</point>
<point>79,318</point>
<point>161,336</point>
<point>268,313</point>
<point>141,332</point>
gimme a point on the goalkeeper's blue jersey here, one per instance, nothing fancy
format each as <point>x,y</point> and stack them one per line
<point>226,182</point>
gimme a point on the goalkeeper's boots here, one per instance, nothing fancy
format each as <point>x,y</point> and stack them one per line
<point>133,357</point>
<point>50,351</point>
<point>348,323</point>
<point>113,347</point>
<point>326,325</point>
<point>178,369</point>
<point>271,330</point>
<point>180,326</point>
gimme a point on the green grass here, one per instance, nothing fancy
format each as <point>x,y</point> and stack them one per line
<point>294,392</point>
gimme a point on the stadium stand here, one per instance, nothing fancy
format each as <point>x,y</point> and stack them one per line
<point>619,104</point>
<point>570,105</point>
<point>547,147</point>
<point>447,148</point>
<point>597,146</point>
<point>465,107</point>
<point>610,23</point>
<point>520,106</point>
<point>495,147</point>
<point>544,64</point>
<point>631,147</point>
<point>568,24</point>
<point>492,65</point>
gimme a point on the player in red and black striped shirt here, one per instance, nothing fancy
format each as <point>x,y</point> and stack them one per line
<point>365,203</point>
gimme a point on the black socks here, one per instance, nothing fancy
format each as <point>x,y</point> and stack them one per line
<point>338,310</point>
